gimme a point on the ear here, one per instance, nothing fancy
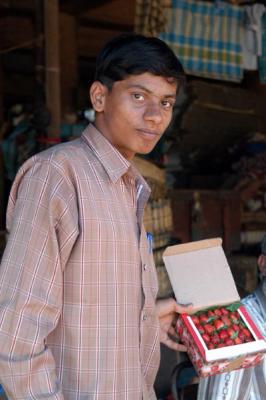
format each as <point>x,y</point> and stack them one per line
<point>97,96</point>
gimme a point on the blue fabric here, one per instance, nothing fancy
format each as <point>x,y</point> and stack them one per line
<point>206,38</point>
<point>262,59</point>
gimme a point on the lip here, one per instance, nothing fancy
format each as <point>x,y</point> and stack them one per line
<point>149,133</point>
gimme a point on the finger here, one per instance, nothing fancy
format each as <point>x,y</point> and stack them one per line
<point>173,345</point>
<point>172,331</point>
<point>184,308</point>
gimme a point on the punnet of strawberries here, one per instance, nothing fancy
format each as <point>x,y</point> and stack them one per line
<point>222,326</point>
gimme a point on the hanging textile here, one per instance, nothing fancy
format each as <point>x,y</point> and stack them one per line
<point>206,38</point>
<point>252,36</point>
<point>262,58</point>
<point>150,17</point>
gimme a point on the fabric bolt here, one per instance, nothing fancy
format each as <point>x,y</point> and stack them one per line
<point>262,58</point>
<point>242,384</point>
<point>252,36</point>
<point>206,38</point>
<point>77,282</point>
<point>150,16</point>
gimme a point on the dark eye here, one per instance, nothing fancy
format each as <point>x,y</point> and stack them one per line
<point>167,104</point>
<point>138,96</point>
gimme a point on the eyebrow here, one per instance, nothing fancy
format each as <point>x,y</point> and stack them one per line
<point>138,86</point>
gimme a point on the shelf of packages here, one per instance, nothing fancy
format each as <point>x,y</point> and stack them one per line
<point>158,217</point>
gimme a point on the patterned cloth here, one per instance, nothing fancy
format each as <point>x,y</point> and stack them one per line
<point>243,384</point>
<point>150,17</point>
<point>206,38</point>
<point>262,59</point>
<point>77,282</point>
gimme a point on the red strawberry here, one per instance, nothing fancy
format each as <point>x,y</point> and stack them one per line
<point>246,333</point>
<point>210,313</point>
<point>206,338</point>
<point>232,333</point>
<point>234,317</point>
<point>223,334</point>
<point>241,336</point>
<point>220,345</point>
<point>236,327</point>
<point>237,340</point>
<point>224,311</point>
<point>200,329</point>
<point>215,339</point>
<point>219,324</point>
<point>229,342</point>
<point>209,329</point>
<point>195,319</point>
<point>211,346</point>
<point>218,312</point>
<point>203,319</point>
<point>226,320</point>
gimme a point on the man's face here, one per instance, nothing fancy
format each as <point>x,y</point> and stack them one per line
<point>136,112</point>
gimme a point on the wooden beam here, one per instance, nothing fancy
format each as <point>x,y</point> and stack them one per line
<point>80,6</point>
<point>52,66</point>
<point>69,62</point>
<point>105,25</point>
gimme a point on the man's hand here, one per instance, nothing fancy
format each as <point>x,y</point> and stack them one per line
<point>167,310</point>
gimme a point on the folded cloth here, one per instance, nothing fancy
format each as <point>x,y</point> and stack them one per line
<point>262,58</point>
<point>206,38</point>
<point>252,36</point>
<point>150,18</point>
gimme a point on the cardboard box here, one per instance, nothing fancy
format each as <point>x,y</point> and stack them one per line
<point>200,274</point>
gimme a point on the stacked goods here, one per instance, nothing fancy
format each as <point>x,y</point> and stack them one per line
<point>220,336</point>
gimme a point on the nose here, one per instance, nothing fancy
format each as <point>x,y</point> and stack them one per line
<point>153,113</point>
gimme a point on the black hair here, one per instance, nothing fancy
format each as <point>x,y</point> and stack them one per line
<point>134,54</point>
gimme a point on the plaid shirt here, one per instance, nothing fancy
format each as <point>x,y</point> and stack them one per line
<point>77,282</point>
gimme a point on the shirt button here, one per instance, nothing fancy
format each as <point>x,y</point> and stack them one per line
<point>145,267</point>
<point>145,316</point>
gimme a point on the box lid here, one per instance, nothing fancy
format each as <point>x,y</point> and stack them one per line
<point>200,274</point>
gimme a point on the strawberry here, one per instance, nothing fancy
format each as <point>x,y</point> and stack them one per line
<point>232,333</point>
<point>206,338</point>
<point>220,345</point>
<point>246,333</point>
<point>211,346</point>
<point>219,324</point>
<point>200,328</point>
<point>223,334</point>
<point>211,316</point>
<point>237,340</point>
<point>195,319</point>
<point>229,342</point>
<point>241,336</point>
<point>226,320</point>
<point>209,329</point>
<point>224,311</point>
<point>236,327</point>
<point>234,317</point>
<point>218,312</point>
<point>210,313</point>
<point>203,319</point>
<point>215,339</point>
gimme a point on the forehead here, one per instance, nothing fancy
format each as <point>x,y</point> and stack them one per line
<point>151,83</point>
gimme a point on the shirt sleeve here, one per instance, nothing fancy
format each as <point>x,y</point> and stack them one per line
<point>43,221</point>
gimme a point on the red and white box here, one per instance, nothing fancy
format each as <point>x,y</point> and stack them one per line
<point>200,274</point>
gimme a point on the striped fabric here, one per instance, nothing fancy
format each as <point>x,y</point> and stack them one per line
<point>206,38</point>
<point>243,384</point>
<point>262,59</point>
<point>77,280</point>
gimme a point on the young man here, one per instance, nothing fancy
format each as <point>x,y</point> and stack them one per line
<point>78,317</point>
